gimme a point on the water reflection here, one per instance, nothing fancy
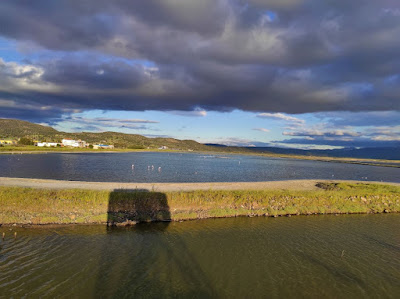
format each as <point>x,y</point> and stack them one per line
<point>151,265</point>
<point>302,256</point>
<point>117,167</point>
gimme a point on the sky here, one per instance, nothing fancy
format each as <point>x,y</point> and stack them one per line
<point>287,73</point>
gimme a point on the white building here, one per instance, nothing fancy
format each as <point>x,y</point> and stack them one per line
<point>47,144</point>
<point>73,143</point>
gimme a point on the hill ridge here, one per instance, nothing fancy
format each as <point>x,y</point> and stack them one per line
<point>14,128</point>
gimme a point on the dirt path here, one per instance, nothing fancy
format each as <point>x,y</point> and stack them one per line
<point>276,185</point>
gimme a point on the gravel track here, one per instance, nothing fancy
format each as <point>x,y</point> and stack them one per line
<point>301,185</point>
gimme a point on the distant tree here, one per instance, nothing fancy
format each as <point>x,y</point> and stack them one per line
<point>90,145</point>
<point>119,145</point>
<point>135,147</point>
<point>25,141</point>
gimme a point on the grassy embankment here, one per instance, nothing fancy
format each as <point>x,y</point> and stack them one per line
<point>45,206</point>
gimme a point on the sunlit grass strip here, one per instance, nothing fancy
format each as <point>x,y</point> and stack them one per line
<point>44,206</point>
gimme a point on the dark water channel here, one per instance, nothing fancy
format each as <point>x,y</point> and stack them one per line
<point>347,256</point>
<point>175,167</point>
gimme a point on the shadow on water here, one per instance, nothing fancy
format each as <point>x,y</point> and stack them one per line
<point>381,243</point>
<point>129,206</point>
<point>333,269</point>
<point>146,259</point>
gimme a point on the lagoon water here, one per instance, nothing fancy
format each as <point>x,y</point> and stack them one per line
<point>347,256</point>
<point>304,256</point>
<point>177,167</point>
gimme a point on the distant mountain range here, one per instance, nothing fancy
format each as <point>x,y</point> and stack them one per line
<point>389,153</point>
<point>12,128</point>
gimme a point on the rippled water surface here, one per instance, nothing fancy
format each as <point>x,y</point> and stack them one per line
<point>175,167</point>
<point>347,256</point>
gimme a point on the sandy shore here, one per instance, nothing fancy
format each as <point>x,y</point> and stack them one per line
<point>300,185</point>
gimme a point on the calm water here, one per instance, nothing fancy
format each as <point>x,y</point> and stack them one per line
<point>175,167</point>
<point>347,256</point>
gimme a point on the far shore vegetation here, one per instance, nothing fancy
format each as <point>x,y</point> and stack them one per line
<point>30,206</point>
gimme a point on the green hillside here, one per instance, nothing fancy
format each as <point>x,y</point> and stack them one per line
<point>15,129</point>
<point>12,128</point>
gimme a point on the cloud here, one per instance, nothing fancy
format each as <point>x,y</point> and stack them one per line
<point>125,121</point>
<point>361,142</point>
<point>196,113</point>
<point>345,136</point>
<point>281,116</point>
<point>235,141</point>
<point>104,124</point>
<point>386,138</point>
<point>218,55</point>
<point>361,119</point>
<point>261,130</point>
<point>312,132</point>
<point>384,133</point>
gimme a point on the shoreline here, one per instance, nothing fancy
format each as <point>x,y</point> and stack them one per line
<point>37,204</point>
<point>299,185</point>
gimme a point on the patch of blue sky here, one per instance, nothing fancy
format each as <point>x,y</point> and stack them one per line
<point>392,79</point>
<point>129,61</point>
<point>8,51</point>
<point>98,57</point>
<point>271,15</point>
<point>24,53</point>
<point>94,56</point>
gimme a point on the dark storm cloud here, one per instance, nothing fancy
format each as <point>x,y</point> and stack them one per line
<point>292,56</point>
<point>88,74</point>
<point>51,116</point>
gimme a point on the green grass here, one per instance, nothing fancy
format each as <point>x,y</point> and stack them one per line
<point>44,206</point>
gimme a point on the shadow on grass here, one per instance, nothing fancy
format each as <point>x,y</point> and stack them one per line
<point>130,206</point>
